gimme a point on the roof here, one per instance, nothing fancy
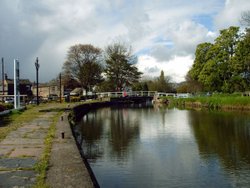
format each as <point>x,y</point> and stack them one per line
<point>21,81</point>
<point>76,91</point>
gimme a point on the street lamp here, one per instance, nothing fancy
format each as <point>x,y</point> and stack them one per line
<point>60,87</point>
<point>37,67</point>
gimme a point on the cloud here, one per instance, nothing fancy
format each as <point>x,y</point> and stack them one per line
<point>176,67</point>
<point>166,32</point>
<point>231,13</point>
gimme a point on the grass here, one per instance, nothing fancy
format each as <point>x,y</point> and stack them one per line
<point>216,102</point>
<point>17,119</point>
<point>42,166</point>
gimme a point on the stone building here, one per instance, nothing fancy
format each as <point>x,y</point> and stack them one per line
<point>8,89</point>
<point>48,91</point>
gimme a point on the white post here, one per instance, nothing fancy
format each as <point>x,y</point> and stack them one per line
<point>16,85</point>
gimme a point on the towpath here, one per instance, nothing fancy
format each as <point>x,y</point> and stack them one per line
<point>24,147</point>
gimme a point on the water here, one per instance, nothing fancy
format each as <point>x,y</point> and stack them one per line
<point>161,147</point>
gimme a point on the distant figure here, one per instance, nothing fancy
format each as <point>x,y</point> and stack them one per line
<point>124,94</point>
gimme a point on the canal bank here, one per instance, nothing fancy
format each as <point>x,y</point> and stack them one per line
<point>66,166</point>
<point>35,144</point>
<point>214,102</point>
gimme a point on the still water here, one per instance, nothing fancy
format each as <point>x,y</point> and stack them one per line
<point>160,147</point>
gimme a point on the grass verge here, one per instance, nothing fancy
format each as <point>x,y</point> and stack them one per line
<point>225,102</point>
<point>42,166</point>
<point>17,118</point>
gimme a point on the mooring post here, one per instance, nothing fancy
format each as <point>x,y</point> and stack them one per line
<point>62,135</point>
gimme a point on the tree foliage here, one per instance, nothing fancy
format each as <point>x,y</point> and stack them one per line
<point>161,84</point>
<point>224,65</point>
<point>83,65</point>
<point>120,66</point>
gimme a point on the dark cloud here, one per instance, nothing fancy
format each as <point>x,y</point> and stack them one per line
<point>163,29</point>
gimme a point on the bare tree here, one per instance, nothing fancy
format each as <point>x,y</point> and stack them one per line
<point>245,18</point>
<point>83,64</point>
<point>67,78</point>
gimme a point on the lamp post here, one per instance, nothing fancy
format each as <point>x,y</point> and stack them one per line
<point>60,87</point>
<point>3,79</point>
<point>37,67</point>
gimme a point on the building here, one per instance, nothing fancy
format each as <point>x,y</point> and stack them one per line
<point>48,90</point>
<point>24,87</point>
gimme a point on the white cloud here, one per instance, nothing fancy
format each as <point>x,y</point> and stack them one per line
<point>163,33</point>
<point>176,68</point>
<point>231,14</point>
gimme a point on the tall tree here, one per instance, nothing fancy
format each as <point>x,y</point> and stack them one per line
<point>226,44</point>
<point>192,85</point>
<point>120,66</point>
<point>67,78</point>
<point>84,63</point>
<point>201,57</point>
<point>213,62</point>
<point>241,65</point>
<point>161,84</point>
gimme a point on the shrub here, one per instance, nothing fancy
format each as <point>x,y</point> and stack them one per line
<point>2,108</point>
<point>9,106</point>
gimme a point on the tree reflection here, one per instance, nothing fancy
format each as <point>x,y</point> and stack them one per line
<point>124,126</point>
<point>88,133</point>
<point>113,126</point>
<point>223,134</point>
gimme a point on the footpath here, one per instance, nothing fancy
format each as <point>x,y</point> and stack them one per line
<point>22,149</point>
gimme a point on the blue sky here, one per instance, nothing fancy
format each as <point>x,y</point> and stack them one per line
<point>162,33</point>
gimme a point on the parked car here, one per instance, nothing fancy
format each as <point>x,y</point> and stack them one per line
<point>52,97</point>
<point>34,100</point>
<point>9,101</point>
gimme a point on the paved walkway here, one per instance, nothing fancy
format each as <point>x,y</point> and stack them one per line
<point>22,149</point>
<point>66,165</point>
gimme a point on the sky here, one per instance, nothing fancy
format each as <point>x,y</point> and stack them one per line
<point>162,33</point>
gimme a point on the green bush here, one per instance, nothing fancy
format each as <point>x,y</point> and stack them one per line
<point>9,106</point>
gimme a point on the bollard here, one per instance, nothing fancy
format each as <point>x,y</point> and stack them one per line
<point>62,135</point>
<point>61,118</point>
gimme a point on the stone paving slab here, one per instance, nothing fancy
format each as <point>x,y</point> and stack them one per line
<point>17,163</point>
<point>16,179</point>
<point>26,152</point>
<point>21,150</point>
<point>22,141</point>
<point>6,150</point>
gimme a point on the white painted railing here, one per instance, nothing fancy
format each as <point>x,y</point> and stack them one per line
<point>141,94</point>
<point>127,93</point>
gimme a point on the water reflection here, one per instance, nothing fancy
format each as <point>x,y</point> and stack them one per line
<point>143,146</point>
<point>124,127</point>
<point>226,135</point>
<point>89,134</point>
<point>115,126</point>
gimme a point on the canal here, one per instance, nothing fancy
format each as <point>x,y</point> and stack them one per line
<point>152,146</point>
